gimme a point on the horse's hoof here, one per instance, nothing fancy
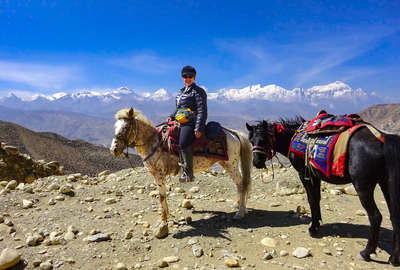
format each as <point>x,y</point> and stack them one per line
<point>238,216</point>
<point>313,231</point>
<point>364,256</point>
<point>394,260</point>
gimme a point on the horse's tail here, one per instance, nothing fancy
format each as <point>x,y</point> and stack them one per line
<point>246,159</point>
<point>391,148</point>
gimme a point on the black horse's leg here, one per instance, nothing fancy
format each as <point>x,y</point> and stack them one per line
<point>375,218</point>
<point>395,257</point>
<point>312,188</point>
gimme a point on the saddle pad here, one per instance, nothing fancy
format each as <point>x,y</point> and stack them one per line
<point>328,153</point>
<point>299,142</point>
<point>327,123</point>
<point>320,151</point>
<point>201,147</point>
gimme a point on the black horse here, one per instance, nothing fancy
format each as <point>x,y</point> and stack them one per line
<point>369,162</point>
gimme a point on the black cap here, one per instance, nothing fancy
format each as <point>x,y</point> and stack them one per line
<point>188,70</point>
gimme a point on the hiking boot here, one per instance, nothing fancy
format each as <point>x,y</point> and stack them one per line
<point>186,162</point>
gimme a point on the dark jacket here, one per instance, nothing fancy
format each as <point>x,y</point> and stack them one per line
<point>194,98</point>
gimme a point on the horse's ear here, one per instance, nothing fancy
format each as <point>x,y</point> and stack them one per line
<point>131,113</point>
<point>249,128</point>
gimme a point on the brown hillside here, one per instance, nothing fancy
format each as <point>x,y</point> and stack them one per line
<point>74,155</point>
<point>384,116</point>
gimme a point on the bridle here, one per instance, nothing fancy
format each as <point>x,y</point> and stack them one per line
<point>269,150</point>
<point>132,123</point>
<point>125,139</point>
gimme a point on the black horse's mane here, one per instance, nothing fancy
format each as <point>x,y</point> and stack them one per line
<point>289,124</point>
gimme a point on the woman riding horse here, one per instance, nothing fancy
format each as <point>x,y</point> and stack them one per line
<point>191,114</point>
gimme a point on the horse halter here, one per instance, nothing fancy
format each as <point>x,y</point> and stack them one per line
<point>132,123</point>
<point>269,150</point>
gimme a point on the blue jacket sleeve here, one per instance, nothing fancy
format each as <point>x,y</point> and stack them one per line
<point>201,102</point>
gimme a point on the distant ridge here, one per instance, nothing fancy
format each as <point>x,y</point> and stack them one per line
<point>74,155</point>
<point>383,116</point>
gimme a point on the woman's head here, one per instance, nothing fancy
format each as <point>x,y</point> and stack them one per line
<point>188,75</point>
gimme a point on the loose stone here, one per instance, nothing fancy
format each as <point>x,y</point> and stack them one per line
<point>52,201</point>
<point>301,252</point>
<point>162,264</point>
<point>110,201</point>
<point>53,186</point>
<point>161,231</point>
<point>12,185</point>
<point>194,190</point>
<point>197,251</point>
<point>232,262</point>
<point>121,266</point>
<point>350,190</point>
<point>326,251</point>
<point>64,189</point>
<point>46,266</point>
<point>335,192</point>
<point>99,237</point>
<point>89,199</point>
<point>27,204</point>
<point>301,210</point>
<point>274,204</point>
<point>8,258</point>
<point>283,253</point>
<point>360,213</point>
<point>154,193</point>
<point>128,235</point>
<point>69,236</point>
<point>268,242</point>
<point>187,204</point>
<point>267,256</point>
<point>171,259</point>
<point>104,173</point>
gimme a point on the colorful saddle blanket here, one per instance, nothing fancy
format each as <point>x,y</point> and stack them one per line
<point>326,153</point>
<point>203,146</point>
<point>325,123</point>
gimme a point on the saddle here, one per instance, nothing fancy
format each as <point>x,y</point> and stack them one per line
<point>323,142</point>
<point>214,147</point>
<point>325,123</point>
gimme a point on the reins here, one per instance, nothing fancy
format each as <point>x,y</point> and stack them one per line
<point>133,144</point>
<point>270,150</point>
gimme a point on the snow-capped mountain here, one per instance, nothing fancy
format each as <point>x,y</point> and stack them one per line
<point>231,107</point>
<point>252,101</point>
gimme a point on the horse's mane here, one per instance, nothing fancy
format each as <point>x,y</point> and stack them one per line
<point>291,123</point>
<point>288,123</point>
<point>124,114</point>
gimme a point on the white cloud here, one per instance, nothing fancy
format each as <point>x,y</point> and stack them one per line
<point>36,74</point>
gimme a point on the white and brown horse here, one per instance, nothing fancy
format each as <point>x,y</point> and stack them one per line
<point>133,129</point>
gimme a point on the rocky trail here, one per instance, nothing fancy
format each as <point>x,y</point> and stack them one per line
<point>109,222</point>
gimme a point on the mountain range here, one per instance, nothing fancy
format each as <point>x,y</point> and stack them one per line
<point>89,115</point>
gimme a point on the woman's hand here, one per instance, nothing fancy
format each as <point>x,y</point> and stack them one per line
<point>169,119</point>
<point>197,134</point>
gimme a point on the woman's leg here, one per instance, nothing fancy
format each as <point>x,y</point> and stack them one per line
<point>186,137</point>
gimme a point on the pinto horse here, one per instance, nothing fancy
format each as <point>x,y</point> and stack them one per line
<point>133,129</point>
<point>369,162</point>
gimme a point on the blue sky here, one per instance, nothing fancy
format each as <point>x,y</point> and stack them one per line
<point>52,46</point>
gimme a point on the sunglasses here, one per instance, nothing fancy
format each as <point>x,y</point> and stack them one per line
<point>187,76</point>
